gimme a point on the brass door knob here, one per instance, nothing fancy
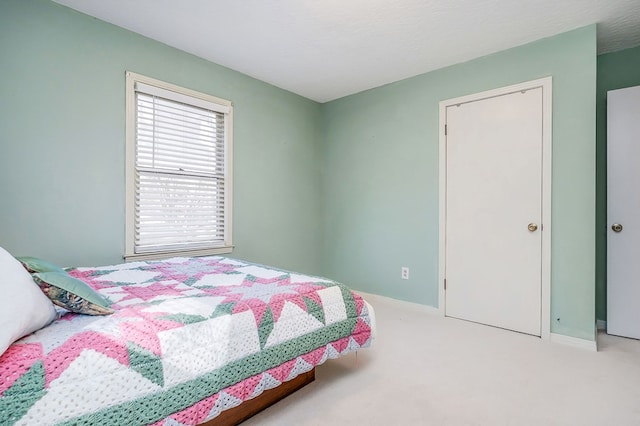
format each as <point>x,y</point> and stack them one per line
<point>616,227</point>
<point>532,227</point>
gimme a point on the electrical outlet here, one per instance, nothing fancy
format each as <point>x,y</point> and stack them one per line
<point>405,273</point>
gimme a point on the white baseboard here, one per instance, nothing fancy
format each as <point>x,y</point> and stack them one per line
<point>590,345</point>
<point>418,306</point>
<point>601,325</point>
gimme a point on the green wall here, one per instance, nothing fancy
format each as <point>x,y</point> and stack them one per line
<point>62,121</point>
<point>381,176</point>
<point>615,71</point>
<point>347,189</point>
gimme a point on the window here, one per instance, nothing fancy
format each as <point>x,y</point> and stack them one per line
<point>178,171</point>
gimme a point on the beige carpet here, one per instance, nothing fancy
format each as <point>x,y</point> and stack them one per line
<point>427,370</point>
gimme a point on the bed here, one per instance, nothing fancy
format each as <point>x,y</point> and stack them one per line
<point>190,341</point>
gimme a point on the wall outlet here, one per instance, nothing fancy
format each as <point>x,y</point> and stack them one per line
<point>405,273</point>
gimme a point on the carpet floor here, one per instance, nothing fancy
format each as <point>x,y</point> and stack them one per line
<point>423,369</point>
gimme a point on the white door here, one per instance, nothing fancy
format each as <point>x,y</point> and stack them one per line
<point>493,253</point>
<point>623,208</point>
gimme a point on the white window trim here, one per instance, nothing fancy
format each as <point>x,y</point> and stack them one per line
<point>130,160</point>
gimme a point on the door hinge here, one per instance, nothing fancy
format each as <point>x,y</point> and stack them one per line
<point>445,130</point>
<point>445,284</point>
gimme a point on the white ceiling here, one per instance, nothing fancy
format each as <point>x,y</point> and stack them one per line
<point>326,49</point>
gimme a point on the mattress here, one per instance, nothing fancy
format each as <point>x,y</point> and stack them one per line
<point>189,338</point>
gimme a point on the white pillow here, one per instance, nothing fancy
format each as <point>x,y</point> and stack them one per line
<point>25,307</point>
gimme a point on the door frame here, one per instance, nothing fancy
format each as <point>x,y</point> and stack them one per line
<point>546,85</point>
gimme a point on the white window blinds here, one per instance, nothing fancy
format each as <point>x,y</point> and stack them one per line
<point>180,172</point>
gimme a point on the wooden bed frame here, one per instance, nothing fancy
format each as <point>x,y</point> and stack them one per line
<point>251,407</point>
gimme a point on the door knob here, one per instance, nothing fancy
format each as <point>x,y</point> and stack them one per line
<point>616,227</point>
<point>532,227</point>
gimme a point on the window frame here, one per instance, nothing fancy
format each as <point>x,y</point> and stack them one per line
<point>130,170</point>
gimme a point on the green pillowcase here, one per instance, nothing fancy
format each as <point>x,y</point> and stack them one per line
<point>72,294</point>
<point>33,265</point>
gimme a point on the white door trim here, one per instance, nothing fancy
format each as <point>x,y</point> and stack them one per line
<point>546,85</point>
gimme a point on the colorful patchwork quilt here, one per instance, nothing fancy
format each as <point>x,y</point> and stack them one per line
<point>190,337</point>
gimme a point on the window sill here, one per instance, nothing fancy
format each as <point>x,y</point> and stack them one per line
<point>181,253</point>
